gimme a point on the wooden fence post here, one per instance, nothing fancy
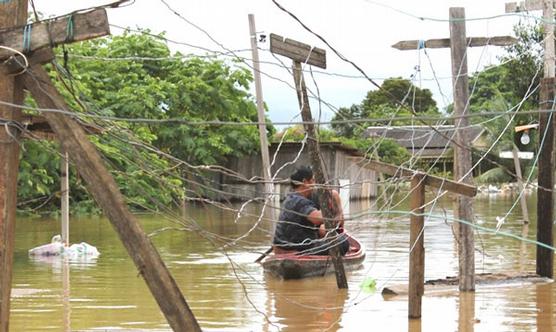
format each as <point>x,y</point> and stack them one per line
<point>416,246</point>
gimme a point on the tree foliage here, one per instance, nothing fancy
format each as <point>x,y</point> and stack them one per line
<point>136,76</point>
<point>509,86</point>
<point>396,98</point>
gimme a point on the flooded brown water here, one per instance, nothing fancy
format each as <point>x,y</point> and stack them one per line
<point>107,293</point>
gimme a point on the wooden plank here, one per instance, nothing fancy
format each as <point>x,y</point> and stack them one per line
<point>416,246</point>
<point>430,180</point>
<point>324,196</point>
<point>405,45</point>
<point>297,51</point>
<point>449,286</point>
<point>545,194</point>
<point>54,32</point>
<point>14,64</point>
<point>104,190</point>
<point>462,171</point>
<point>11,13</point>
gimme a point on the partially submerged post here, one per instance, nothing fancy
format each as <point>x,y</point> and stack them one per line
<point>303,53</point>
<point>416,230</point>
<point>87,159</point>
<point>416,246</point>
<point>458,43</point>
<point>64,187</point>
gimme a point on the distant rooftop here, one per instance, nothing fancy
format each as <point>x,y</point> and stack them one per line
<point>422,139</point>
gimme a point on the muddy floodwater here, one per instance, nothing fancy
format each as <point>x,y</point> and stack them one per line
<point>227,291</point>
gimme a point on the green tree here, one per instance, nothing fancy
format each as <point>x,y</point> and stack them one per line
<point>397,97</point>
<point>395,91</point>
<point>509,86</point>
<point>136,76</point>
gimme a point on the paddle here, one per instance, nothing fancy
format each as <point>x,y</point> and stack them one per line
<point>264,255</point>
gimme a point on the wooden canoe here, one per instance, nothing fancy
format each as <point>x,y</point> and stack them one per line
<point>295,266</point>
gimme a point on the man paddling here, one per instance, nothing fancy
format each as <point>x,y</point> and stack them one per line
<point>301,226</point>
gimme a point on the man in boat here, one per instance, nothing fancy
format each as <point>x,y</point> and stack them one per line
<point>301,226</point>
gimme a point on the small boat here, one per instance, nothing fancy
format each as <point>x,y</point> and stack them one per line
<point>292,265</point>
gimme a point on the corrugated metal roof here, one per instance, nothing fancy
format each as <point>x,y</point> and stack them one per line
<point>423,138</point>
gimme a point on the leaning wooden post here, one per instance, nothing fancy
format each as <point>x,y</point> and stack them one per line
<point>323,195</point>
<point>416,247</point>
<point>12,13</point>
<point>300,52</point>
<point>104,189</point>
<point>267,176</point>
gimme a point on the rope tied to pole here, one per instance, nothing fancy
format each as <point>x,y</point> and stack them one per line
<point>70,29</point>
<point>27,29</point>
<point>421,44</point>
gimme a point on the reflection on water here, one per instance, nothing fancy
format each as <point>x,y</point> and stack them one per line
<point>315,303</point>
<point>106,294</point>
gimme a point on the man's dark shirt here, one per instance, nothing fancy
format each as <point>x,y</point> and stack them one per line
<point>294,231</point>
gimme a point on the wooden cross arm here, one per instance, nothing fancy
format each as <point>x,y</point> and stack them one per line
<point>55,32</point>
<point>298,51</point>
<point>430,180</point>
<point>405,45</point>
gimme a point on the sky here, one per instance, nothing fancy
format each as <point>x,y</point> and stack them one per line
<point>361,30</point>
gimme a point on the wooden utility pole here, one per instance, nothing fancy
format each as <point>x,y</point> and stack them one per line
<point>458,43</point>
<point>267,177</point>
<point>547,122</point>
<point>87,159</point>
<point>462,150</point>
<point>300,52</point>
<point>545,189</point>
<point>12,13</point>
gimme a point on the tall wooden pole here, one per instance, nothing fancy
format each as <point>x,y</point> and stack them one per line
<point>462,153</point>
<point>12,13</point>
<point>269,188</point>
<point>545,197</point>
<point>545,194</point>
<point>416,246</point>
<point>104,190</point>
<point>64,185</point>
<point>324,196</point>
